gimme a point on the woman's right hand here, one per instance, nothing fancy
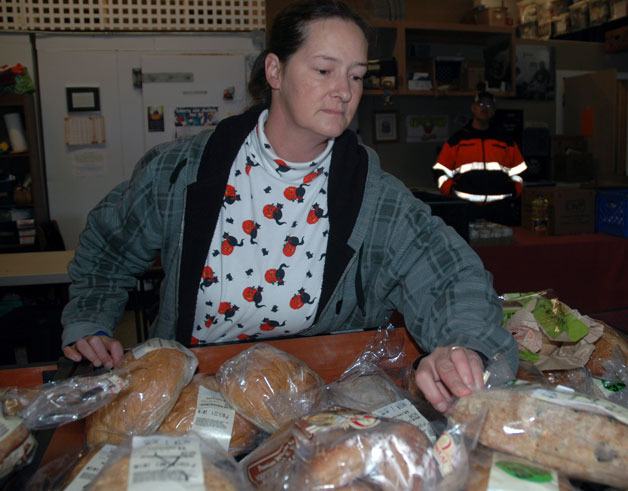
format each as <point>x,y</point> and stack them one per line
<point>100,350</point>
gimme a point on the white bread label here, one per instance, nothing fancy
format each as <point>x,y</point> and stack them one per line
<point>214,416</point>
<point>508,473</point>
<point>404,410</point>
<point>91,469</point>
<point>161,463</point>
<point>582,403</point>
<point>7,425</point>
<point>152,345</point>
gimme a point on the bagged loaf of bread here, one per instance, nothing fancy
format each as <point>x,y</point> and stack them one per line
<point>582,437</point>
<point>170,462</point>
<point>157,372</point>
<point>490,470</point>
<point>17,445</point>
<point>342,449</point>
<point>612,345</point>
<point>202,408</point>
<point>57,403</point>
<point>268,386</point>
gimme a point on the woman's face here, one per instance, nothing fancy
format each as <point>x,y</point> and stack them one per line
<point>318,89</point>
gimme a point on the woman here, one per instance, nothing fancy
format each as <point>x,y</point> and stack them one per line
<point>281,223</point>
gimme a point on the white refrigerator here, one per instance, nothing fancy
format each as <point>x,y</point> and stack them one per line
<point>106,99</point>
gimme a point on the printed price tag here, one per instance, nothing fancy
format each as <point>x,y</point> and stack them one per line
<point>152,345</point>
<point>404,410</point>
<point>91,469</point>
<point>214,416</point>
<point>7,425</point>
<point>576,401</point>
<point>160,463</point>
<point>509,473</point>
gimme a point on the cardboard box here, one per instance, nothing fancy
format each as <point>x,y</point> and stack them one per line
<point>570,210</point>
<point>493,17</point>
<point>562,144</point>
<point>573,167</point>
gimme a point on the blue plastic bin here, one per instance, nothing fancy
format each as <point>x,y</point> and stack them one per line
<point>612,212</point>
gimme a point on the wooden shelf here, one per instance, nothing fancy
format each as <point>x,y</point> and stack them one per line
<point>456,35</point>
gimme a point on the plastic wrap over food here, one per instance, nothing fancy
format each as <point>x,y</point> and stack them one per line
<point>365,387</point>
<point>58,403</point>
<point>202,408</point>
<point>346,449</point>
<point>583,437</point>
<point>496,471</point>
<point>157,372</point>
<point>165,463</point>
<point>268,386</point>
<point>17,445</point>
<point>71,471</point>
<point>610,356</point>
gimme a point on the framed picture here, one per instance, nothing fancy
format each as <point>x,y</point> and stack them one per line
<point>82,99</point>
<point>536,74</point>
<point>385,127</point>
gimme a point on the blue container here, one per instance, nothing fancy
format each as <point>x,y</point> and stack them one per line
<point>612,212</point>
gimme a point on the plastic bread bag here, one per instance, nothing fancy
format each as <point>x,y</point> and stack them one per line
<point>165,463</point>
<point>345,449</point>
<point>610,356</point>
<point>58,403</point>
<point>257,378</point>
<point>157,372</point>
<point>583,437</point>
<point>202,408</point>
<point>71,472</point>
<point>385,351</point>
<point>365,387</point>
<point>496,471</point>
<point>17,445</point>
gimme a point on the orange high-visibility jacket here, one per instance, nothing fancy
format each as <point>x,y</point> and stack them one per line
<point>480,166</point>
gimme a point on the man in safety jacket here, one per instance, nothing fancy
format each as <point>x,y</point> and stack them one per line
<point>480,163</point>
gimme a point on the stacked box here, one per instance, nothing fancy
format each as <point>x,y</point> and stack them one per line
<point>570,210</point>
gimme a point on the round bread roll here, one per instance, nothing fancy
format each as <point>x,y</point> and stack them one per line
<point>268,386</point>
<point>155,382</point>
<point>115,477</point>
<point>610,344</point>
<point>390,456</point>
<point>180,419</point>
<point>21,456</point>
<point>11,439</point>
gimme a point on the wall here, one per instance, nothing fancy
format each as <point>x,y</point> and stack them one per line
<point>16,48</point>
<point>412,162</point>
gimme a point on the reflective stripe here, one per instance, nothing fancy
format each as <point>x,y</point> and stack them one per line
<point>518,169</point>
<point>517,178</point>
<point>481,198</point>
<point>442,180</point>
<point>439,166</point>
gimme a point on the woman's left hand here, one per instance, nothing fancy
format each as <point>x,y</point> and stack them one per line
<point>448,372</point>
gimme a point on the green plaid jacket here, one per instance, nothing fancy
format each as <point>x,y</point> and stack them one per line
<point>400,257</point>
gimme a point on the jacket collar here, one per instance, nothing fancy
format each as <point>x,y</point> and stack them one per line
<point>347,177</point>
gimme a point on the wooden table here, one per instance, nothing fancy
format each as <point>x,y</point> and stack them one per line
<point>588,271</point>
<point>35,268</point>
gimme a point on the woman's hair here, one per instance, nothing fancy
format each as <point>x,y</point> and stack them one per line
<point>288,33</point>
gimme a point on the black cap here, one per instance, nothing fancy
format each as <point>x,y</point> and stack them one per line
<point>483,96</point>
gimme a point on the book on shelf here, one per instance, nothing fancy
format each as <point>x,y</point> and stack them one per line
<point>26,232</point>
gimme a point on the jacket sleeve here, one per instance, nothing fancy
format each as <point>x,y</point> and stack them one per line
<point>121,240</point>
<point>517,166</point>
<point>444,169</point>
<point>443,290</point>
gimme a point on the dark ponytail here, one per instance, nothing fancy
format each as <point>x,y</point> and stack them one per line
<point>288,33</point>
